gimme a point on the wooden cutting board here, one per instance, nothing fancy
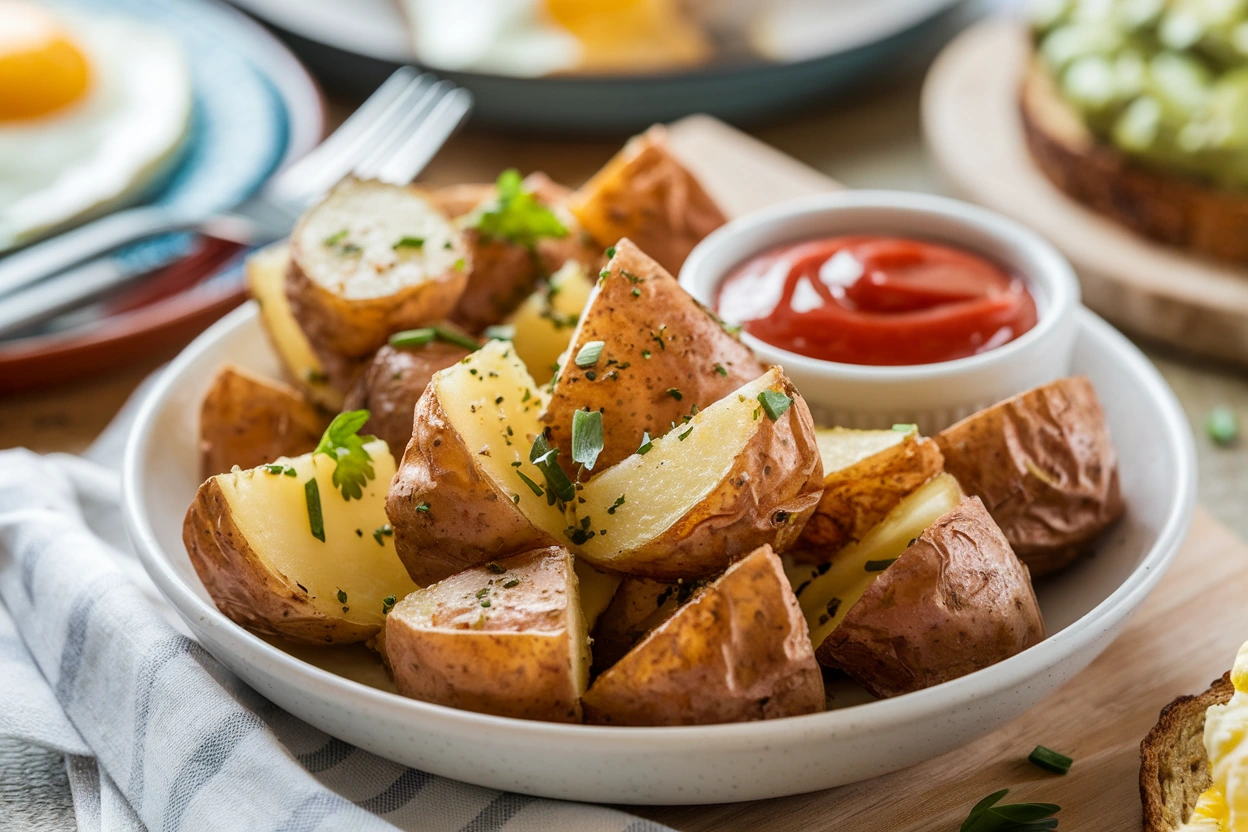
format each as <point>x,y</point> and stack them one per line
<point>974,132</point>
<point>1185,635</point>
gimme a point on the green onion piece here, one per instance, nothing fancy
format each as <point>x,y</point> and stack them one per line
<point>610,252</point>
<point>1222,426</point>
<point>774,403</point>
<point>290,471</point>
<point>537,489</point>
<point>987,816</point>
<point>588,355</point>
<point>646,443</point>
<point>681,437</point>
<point>879,565</point>
<point>387,604</point>
<point>905,428</point>
<point>413,337</point>
<point>586,437</point>
<point>312,495</point>
<point>1050,760</point>
<point>500,332</point>
<point>272,469</point>
<point>423,508</point>
<point>459,339</point>
<point>558,486</point>
<point>410,242</point>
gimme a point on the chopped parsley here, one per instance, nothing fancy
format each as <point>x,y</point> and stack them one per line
<point>610,252</point>
<point>536,489</point>
<point>385,531</point>
<point>774,403</point>
<point>342,443</point>
<point>387,604</point>
<point>518,217</point>
<point>719,369</point>
<point>619,501</point>
<point>675,393</point>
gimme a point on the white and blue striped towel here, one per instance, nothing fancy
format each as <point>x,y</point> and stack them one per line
<point>157,734</point>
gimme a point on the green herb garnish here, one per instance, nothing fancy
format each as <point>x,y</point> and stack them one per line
<point>905,428</point>
<point>587,356</point>
<point>987,816</point>
<point>312,496</point>
<point>537,489</point>
<point>719,368</point>
<point>675,393</point>
<point>518,217</point>
<point>412,337</point>
<point>286,470</point>
<point>316,377</point>
<point>342,443</point>
<point>342,597</point>
<point>385,531</point>
<point>514,582</point>
<point>335,238</point>
<point>610,252</point>
<point>683,436</point>
<point>1050,760</point>
<point>409,242</point>
<point>646,443</point>
<point>1222,426</point>
<point>774,403</point>
<point>619,501</point>
<point>558,486</point>
<point>586,437</point>
<point>387,604</point>
<point>459,339</point>
<point>879,565</point>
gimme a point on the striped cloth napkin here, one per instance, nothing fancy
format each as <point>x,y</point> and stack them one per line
<point>157,734</point>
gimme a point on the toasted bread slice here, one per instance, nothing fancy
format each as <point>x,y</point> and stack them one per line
<point>1170,207</point>
<point>1174,768</point>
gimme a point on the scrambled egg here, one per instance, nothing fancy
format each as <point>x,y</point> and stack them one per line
<point>1224,807</point>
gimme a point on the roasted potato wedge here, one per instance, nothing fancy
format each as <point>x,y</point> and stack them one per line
<point>663,357</point>
<point>866,473</point>
<point>393,382</point>
<point>461,496</point>
<point>266,282</point>
<point>251,536</point>
<point>638,606</point>
<point>1045,467</point>
<point>368,261</point>
<point>544,323</point>
<point>707,493</point>
<point>738,651</point>
<point>507,639</point>
<point>598,588</point>
<point>646,194</point>
<point>932,593</point>
<point>246,420</point>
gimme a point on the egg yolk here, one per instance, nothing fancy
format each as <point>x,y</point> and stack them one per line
<point>41,69</point>
<point>640,34</point>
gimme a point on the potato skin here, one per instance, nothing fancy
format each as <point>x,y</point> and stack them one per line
<point>248,421</point>
<point>646,194</point>
<point>1045,467</point>
<point>438,469</point>
<point>393,382</point>
<point>856,498</point>
<point>956,601</point>
<point>738,651</point>
<point>635,392</point>
<point>765,499</point>
<point>639,605</point>
<point>515,662</point>
<point>242,587</point>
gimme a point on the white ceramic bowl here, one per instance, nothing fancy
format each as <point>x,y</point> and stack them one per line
<point>1084,609</point>
<point>933,396</point>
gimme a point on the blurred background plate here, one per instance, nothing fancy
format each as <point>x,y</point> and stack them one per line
<point>255,108</point>
<point>355,45</point>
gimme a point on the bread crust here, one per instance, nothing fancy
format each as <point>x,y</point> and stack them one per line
<point>1170,207</point>
<point>1174,768</point>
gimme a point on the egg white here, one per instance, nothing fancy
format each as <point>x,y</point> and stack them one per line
<point>105,150</point>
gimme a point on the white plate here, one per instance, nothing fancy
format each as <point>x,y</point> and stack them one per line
<point>1084,609</point>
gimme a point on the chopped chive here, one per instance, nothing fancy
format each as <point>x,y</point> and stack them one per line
<point>410,242</point>
<point>636,292</point>
<point>719,368</point>
<point>387,604</point>
<point>879,565</point>
<point>1050,760</point>
<point>423,508</point>
<point>312,495</point>
<point>645,353</point>
<point>485,602</point>
<point>683,436</point>
<point>273,469</point>
<point>514,582</point>
<point>588,355</point>
<point>336,238</point>
<point>537,489</point>
<point>290,471</point>
<point>610,252</point>
<point>774,403</point>
<point>646,443</point>
<point>911,428</point>
<point>459,339</point>
<point>413,337</point>
<point>558,486</point>
<point>587,439</point>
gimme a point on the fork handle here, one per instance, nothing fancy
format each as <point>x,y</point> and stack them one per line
<point>87,242</point>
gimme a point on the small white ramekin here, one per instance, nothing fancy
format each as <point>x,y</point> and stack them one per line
<point>933,396</point>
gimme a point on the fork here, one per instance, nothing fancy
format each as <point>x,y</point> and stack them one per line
<point>391,137</point>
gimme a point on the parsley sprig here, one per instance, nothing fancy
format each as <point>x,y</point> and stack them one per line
<point>988,816</point>
<point>342,443</point>
<point>518,217</point>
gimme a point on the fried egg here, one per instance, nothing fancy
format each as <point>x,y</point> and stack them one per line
<point>93,109</point>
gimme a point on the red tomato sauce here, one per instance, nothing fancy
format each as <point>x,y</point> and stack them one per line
<point>877,300</point>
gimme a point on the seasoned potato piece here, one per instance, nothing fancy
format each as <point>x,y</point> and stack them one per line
<point>866,473</point>
<point>663,357</point>
<point>737,651</point>
<point>597,590</point>
<point>266,282</point>
<point>392,384</point>
<point>639,605</point>
<point>247,421</point>
<point>508,639</point>
<point>460,499</point>
<point>646,194</point>
<point>253,539</point>
<point>708,492</point>
<point>543,325</point>
<point>369,260</point>
<point>956,601</point>
<point>1045,467</point>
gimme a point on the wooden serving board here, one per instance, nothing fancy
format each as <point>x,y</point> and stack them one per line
<point>974,132</point>
<point>1185,635</point>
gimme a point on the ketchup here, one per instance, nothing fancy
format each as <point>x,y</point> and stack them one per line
<point>877,300</point>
